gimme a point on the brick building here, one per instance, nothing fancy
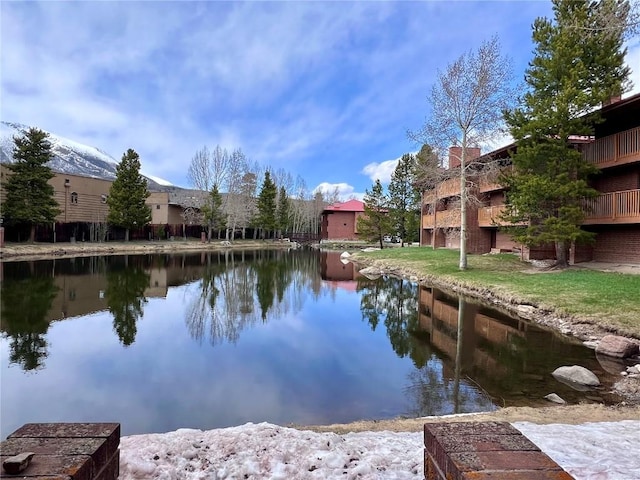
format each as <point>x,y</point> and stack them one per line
<point>614,216</point>
<point>340,220</point>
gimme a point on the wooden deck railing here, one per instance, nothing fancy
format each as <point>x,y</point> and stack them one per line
<point>616,149</point>
<point>444,219</point>
<point>490,216</point>
<point>614,207</point>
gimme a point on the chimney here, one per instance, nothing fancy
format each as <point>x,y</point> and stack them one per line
<point>455,155</point>
<point>612,99</point>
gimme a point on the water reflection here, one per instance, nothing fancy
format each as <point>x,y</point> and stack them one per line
<point>167,341</point>
<point>25,304</point>
<point>126,285</point>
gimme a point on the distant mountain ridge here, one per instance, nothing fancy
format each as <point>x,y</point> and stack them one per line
<point>69,156</point>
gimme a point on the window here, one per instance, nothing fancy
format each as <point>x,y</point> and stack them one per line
<point>157,207</point>
<point>74,197</point>
<point>103,198</point>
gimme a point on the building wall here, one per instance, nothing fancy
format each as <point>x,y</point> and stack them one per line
<point>618,244</point>
<point>504,242</point>
<point>81,199</point>
<point>159,203</point>
<point>341,226</point>
<point>620,180</point>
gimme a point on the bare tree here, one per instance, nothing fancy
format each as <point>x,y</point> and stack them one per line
<point>467,103</point>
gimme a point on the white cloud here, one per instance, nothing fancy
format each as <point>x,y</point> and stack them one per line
<point>633,60</point>
<point>381,171</point>
<point>343,191</point>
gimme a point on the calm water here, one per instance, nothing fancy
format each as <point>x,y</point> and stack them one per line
<point>160,342</point>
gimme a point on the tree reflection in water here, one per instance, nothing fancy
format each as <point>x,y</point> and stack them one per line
<point>236,292</point>
<point>25,300</point>
<point>126,284</point>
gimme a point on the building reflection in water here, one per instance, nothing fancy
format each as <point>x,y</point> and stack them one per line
<point>510,358</point>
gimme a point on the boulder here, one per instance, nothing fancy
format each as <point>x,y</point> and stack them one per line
<point>610,364</point>
<point>345,255</point>
<point>371,273</point>
<point>616,346</point>
<point>576,377</point>
<point>552,397</point>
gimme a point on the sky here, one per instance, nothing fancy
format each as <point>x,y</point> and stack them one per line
<point>325,91</point>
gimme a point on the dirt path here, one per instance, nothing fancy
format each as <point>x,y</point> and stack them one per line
<point>567,414</point>
<point>43,251</point>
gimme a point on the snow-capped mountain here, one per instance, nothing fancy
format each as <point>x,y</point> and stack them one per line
<point>69,156</point>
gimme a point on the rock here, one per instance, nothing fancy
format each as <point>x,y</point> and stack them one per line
<point>592,344</point>
<point>371,273</point>
<point>634,369</point>
<point>552,397</point>
<point>525,309</point>
<point>616,346</point>
<point>345,255</point>
<point>576,377</point>
<point>610,364</point>
<point>16,464</point>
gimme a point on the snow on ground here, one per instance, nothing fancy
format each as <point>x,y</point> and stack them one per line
<point>591,451</point>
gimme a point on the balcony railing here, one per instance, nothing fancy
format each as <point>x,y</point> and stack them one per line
<point>490,216</point>
<point>616,149</point>
<point>614,207</point>
<point>443,219</point>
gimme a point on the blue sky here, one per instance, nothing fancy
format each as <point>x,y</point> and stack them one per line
<point>323,90</point>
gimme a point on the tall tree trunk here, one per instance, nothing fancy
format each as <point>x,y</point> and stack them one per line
<point>126,235</point>
<point>562,254</point>
<point>32,234</point>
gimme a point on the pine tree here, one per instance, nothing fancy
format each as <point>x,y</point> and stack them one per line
<point>212,212</point>
<point>29,197</point>
<point>376,222</point>
<point>283,210</point>
<point>267,205</point>
<point>404,199</point>
<point>127,196</point>
<point>570,76</point>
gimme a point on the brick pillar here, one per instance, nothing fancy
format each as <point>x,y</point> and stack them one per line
<point>73,451</point>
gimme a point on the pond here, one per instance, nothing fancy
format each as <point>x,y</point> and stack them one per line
<point>208,340</point>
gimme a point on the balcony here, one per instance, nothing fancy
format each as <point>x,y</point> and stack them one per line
<point>617,149</point>
<point>490,217</point>
<point>614,208</point>
<point>442,219</point>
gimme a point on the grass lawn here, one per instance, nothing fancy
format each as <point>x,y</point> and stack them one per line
<point>610,299</point>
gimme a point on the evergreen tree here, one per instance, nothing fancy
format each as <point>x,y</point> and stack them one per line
<point>283,211</point>
<point>376,222</point>
<point>29,197</point>
<point>212,212</point>
<point>267,205</point>
<point>404,199</point>
<point>570,76</point>
<point>127,196</point>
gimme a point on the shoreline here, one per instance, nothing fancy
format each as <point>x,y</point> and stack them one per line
<point>45,251</point>
<point>581,329</point>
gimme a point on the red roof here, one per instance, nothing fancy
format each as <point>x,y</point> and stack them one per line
<point>350,206</point>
